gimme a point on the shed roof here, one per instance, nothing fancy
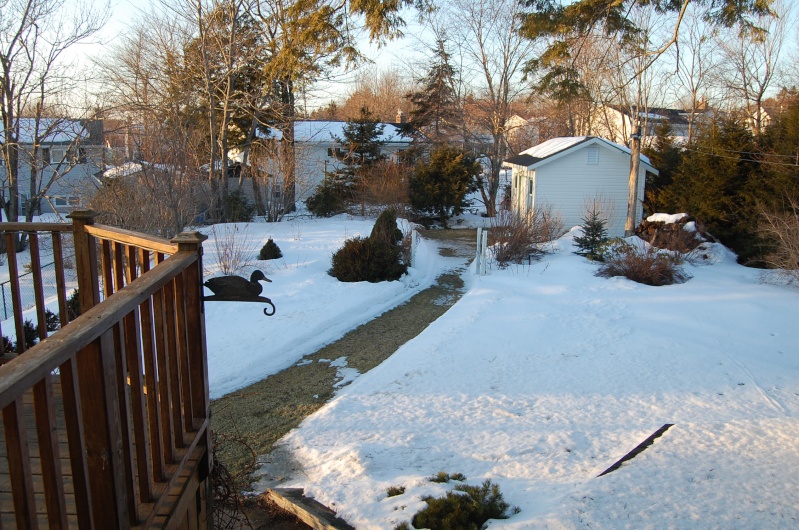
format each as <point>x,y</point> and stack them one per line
<point>544,152</point>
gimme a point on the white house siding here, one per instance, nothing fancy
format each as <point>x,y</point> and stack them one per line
<point>568,183</point>
<point>568,177</point>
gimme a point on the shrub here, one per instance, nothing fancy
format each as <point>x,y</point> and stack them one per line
<point>52,322</point>
<point>326,201</point>
<point>239,209</point>
<point>73,305</point>
<point>7,345</point>
<point>232,248</point>
<point>30,333</point>
<point>643,265</point>
<point>440,185</point>
<point>373,259</point>
<point>518,237</point>
<point>781,231</point>
<point>365,259</point>
<point>467,508</point>
<point>393,491</point>
<point>385,228</point>
<point>270,250</point>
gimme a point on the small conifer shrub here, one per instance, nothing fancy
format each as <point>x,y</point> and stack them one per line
<point>326,201</point>
<point>7,345</point>
<point>595,236</point>
<point>51,320</point>
<point>73,305</point>
<point>30,333</point>
<point>373,259</point>
<point>270,250</point>
<point>467,508</point>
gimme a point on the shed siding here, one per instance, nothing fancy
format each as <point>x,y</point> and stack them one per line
<point>567,182</point>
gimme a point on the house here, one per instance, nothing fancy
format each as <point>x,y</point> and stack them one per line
<point>617,122</point>
<point>568,173</point>
<point>68,158</point>
<point>522,131</point>
<point>317,151</point>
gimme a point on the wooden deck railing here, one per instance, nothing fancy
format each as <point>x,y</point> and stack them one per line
<point>105,422</point>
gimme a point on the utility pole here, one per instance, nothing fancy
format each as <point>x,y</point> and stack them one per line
<point>632,200</point>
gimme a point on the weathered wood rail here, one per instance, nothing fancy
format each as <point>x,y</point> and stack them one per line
<point>106,421</point>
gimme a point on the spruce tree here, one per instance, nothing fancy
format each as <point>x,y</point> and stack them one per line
<point>360,151</point>
<point>595,235</point>
<point>435,103</point>
<point>440,185</point>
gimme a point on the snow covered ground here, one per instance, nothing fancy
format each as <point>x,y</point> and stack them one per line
<point>539,378</point>
<point>312,307</point>
<point>543,376</point>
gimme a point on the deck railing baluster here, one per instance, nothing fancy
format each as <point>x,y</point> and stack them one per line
<point>128,378</point>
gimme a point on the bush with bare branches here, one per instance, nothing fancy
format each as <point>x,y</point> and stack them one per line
<point>643,264</point>
<point>232,245</point>
<point>516,237</point>
<point>781,230</point>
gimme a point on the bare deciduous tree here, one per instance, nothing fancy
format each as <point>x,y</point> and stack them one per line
<point>34,34</point>
<point>487,33</point>
<point>752,62</point>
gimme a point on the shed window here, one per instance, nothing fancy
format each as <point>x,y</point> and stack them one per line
<point>593,156</point>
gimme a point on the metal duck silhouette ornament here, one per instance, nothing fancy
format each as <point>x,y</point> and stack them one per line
<point>238,289</point>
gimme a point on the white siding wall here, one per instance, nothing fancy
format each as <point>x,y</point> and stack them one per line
<point>312,158</point>
<point>568,182</point>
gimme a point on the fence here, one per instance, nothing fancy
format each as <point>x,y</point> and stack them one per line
<point>27,289</point>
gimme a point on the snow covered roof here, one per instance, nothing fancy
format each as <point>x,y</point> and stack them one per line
<point>61,131</point>
<point>534,156</point>
<point>312,131</point>
<point>123,170</point>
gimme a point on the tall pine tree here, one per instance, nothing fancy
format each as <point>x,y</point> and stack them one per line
<point>435,111</point>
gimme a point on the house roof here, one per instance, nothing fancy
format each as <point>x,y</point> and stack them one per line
<point>59,131</point>
<point>546,151</point>
<point>312,131</point>
<point>659,114</point>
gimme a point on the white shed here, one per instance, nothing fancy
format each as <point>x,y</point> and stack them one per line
<point>568,173</point>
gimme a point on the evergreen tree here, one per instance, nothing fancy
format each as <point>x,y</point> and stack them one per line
<point>360,151</point>
<point>595,235</point>
<point>440,186</point>
<point>666,157</point>
<point>720,183</point>
<point>435,111</point>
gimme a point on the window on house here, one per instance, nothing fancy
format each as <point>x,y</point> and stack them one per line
<point>74,201</point>
<point>60,201</point>
<point>593,156</point>
<point>45,151</point>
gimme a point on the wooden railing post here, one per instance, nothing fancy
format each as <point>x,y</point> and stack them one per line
<point>97,365</point>
<point>195,325</point>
